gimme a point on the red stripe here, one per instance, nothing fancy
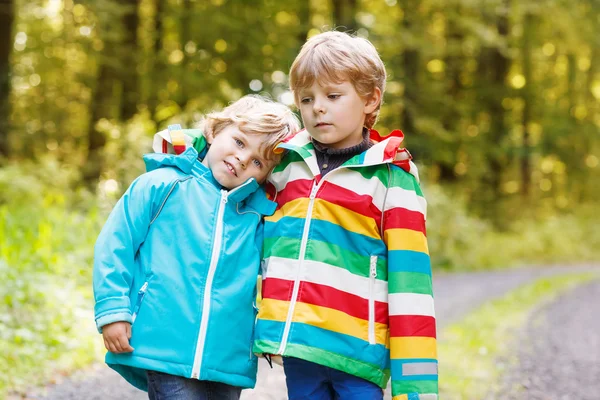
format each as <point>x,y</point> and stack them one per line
<point>296,189</point>
<point>278,289</point>
<point>402,218</point>
<point>326,296</point>
<point>165,146</point>
<point>391,148</point>
<point>348,199</point>
<point>412,325</point>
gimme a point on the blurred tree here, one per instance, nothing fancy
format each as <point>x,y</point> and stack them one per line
<point>6,24</point>
<point>116,93</point>
<point>344,15</point>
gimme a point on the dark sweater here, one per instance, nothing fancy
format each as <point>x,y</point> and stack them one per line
<point>329,159</point>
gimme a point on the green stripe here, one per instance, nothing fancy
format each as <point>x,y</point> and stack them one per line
<point>265,346</point>
<point>405,180</point>
<point>335,255</point>
<point>421,387</point>
<point>409,282</point>
<point>364,370</point>
<point>290,157</point>
<point>281,247</point>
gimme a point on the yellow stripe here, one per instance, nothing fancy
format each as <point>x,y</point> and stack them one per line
<point>323,317</point>
<point>295,208</point>
<point>400,397</point>
<point>273,310</point>
<point>406,239</point>
<point>338,321</point>
<point>349,220</point>
<point>413,347</point>
<point>326,211</point>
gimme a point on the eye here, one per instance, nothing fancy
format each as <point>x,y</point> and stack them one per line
<point>333,96</point>
<point>305,100</point>
<point>257,163</point>
<point>239,142</point>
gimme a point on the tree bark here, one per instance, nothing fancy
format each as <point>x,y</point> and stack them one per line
<point>344,12</point>
<point>6,22</point>
<point>129,74</point>
<point>527,107</point>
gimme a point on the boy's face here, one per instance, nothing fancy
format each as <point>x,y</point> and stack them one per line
<point>334,114</point>
<point>234,157</point>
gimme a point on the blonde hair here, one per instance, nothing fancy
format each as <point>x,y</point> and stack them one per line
<point>333,57</point>
<point>254,115</point>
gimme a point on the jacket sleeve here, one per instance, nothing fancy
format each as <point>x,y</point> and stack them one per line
<point>116,248</point>
<point>413,346</point>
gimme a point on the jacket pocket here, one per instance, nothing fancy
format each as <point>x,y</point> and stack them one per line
<point>138,303</point>
<point>372,276</point>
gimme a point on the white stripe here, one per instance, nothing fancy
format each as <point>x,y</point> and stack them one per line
<point>294,171</point>
<point>411,304</point>
<point>375,154</point>
<point>409,199</point>
<point>328,275</point>
<point>428,396</point>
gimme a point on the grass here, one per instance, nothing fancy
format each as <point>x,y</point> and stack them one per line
<point>470,352</point>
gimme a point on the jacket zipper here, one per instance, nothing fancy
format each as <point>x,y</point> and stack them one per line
<point>138,303</point>
<point>288,321</point>
<point>372,276</point>
<point>214,259</point>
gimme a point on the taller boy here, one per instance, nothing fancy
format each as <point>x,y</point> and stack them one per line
<point>347,294</point>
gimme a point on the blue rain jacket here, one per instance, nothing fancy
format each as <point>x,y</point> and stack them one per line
<point>179,258</point>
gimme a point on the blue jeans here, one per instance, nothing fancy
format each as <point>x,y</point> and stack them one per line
<point>309,381</point>
<point>164,386</point>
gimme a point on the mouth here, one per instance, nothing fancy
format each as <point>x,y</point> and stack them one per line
<point>321,124</point>
<point>230,168</point>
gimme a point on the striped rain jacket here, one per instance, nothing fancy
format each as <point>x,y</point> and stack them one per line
<point>347,277</point>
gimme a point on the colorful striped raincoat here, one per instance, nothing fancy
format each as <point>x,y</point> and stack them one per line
<point>347,276</point>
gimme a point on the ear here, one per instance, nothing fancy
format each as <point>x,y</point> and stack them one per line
<point>209,138</point>
<point>373,101</point>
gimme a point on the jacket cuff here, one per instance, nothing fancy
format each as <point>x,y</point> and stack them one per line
<point>112,309</point>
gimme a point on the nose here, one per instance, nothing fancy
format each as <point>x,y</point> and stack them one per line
<point>318,107</point>
<point>242,160</point>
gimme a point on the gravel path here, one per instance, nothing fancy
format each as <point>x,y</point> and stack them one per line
<point>456,295</point>
<point>559,354</point>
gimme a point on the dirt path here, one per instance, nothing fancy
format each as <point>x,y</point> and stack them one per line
<point>455,294</point>
<point>559,350</point>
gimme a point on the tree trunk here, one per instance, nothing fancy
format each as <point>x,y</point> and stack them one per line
<point>6,23</point>
<point>527,107</point>
<point>157,58</point>
<point>129,74</point>
<point>410,62</point>
<point>344,12</point>
<point>493,69</point>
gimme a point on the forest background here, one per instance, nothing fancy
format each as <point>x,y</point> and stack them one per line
<point>499,101</point>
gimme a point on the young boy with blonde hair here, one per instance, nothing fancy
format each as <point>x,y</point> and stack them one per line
<point>347,291</point>
<point>176,263</point>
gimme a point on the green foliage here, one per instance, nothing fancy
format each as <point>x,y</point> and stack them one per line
<point>46,241</point>
<point>458,240</point>
<point>471,351</point>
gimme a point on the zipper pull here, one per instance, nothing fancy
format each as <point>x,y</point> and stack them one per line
<point>143,288</point>
<point>313,192</point>
<point>224,196</point>
<point>373,266</point>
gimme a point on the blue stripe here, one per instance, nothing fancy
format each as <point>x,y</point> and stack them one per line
<point>290,227</point>
<point>269,330</point>
<point>409,261</point>
<point>327,232</point>
<point>339,343</point>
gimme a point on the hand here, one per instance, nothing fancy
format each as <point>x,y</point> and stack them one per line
<point>116,337</point>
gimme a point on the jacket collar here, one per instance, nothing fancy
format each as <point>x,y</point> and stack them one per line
<point>189,163</point>
<point>380,153</point>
